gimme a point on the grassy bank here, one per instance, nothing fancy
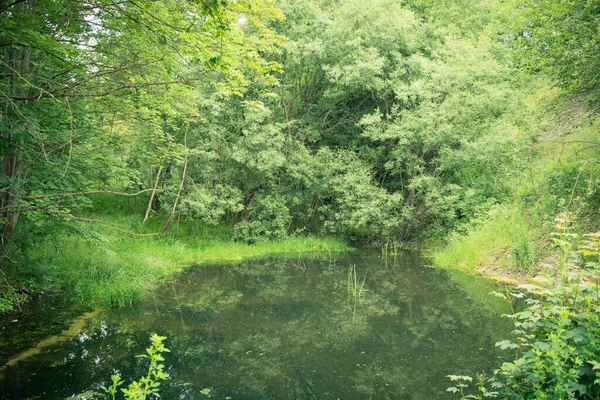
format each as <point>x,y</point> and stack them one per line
<point>501,239</point>
<point>559,174</point>
<point>112,268</point>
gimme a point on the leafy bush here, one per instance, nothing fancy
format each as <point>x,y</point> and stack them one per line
<point>269,218</point>
<point>149,384</point>
<point>333,191</point>
<point>558,333</point>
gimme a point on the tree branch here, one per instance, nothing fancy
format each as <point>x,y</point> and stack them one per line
<point>101,94</point>
<point>98,222</point>
<point>14,3</point>
<point>83,194</point>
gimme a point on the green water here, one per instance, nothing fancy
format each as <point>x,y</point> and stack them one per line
<point>356,328</point>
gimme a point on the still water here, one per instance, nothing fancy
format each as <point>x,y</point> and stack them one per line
<point>353,327</point>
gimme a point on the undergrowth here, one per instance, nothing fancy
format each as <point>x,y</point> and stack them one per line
<point>560,172</point>
<point>557,335</point>
<point>112,268</point>
<point>494,240</point>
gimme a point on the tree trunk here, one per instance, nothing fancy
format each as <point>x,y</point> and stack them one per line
<point>16,69</point>
<point>153,194</point>
<point>185,164</point>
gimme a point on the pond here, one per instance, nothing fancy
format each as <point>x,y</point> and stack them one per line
<point>353,327</point>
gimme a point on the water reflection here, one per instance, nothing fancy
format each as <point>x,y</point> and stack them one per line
<point>357,328</point>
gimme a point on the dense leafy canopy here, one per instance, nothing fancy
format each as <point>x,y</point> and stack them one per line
<point>560,37</point>
<point>94,93</point>
<point>368,120</point>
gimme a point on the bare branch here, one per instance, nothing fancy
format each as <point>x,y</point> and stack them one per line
<point>152,195</point>
<point>42,90</point>
<point>99,223</point>
<point>83,194</point>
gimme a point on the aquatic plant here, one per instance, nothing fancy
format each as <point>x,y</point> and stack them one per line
<point>355,288</point>
<point>462,385</point>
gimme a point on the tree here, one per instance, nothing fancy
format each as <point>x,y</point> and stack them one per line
<point>560,37</point>
<point>81,79</point>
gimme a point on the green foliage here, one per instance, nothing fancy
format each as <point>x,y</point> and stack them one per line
<point>148,385</point>
<point>558,332</point>
<point>268,219</point>
<point>10,298</point>
<point>574,185</point>
<point>560,37</point>
<point>96,94</point>
<point>229,114</point>
<point>501,237</point>
<point>462,384</point>
<point>416,111</point>
<point>370,134</point>
<point>341,197</point>
<point>107,268</point>
<point>525,254</point>
<point>559,172</point>
<point>443,153</point>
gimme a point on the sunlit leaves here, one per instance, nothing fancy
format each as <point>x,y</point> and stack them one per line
<point>557,335</point>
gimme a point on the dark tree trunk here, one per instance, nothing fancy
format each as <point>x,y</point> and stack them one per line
<point>17,63</point>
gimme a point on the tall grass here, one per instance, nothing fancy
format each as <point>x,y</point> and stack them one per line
<point>500,239</point>
<point>116,269</point>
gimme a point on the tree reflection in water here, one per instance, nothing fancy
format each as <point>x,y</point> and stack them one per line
<point>281,328</point>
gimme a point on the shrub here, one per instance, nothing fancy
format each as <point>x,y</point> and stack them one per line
<point>149,384</point>
<point>558,333</point>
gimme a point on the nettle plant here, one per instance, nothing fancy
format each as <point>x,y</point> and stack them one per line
<point>557,341</point>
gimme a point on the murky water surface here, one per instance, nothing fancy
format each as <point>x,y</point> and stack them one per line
<point>356,328</point>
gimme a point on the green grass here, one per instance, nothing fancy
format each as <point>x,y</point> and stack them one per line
<point>117,269</point>
<point>501,239</point>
